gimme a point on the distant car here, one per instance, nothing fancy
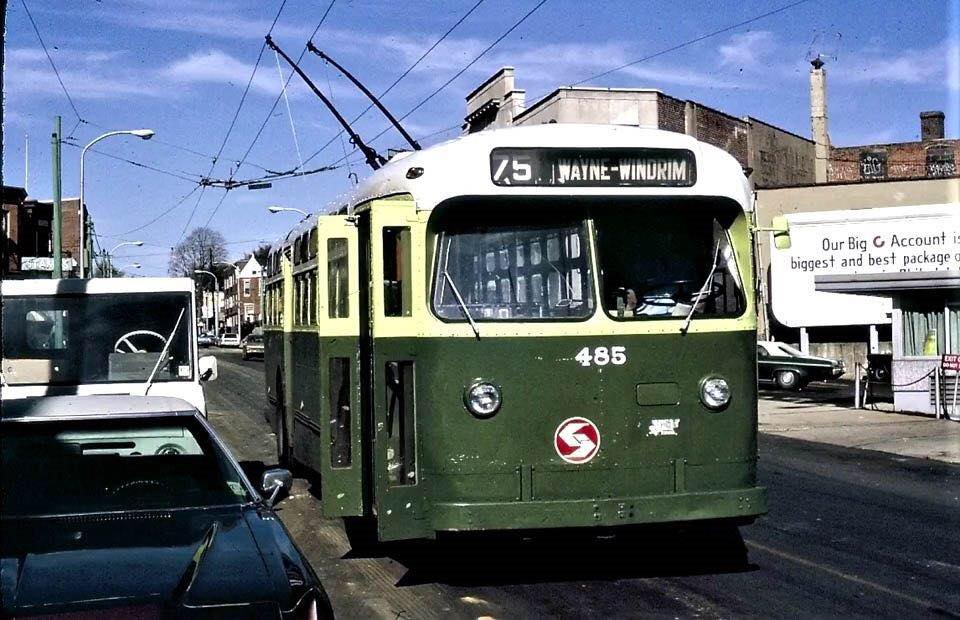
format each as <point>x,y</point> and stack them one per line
<point>229,340</point>
<point>252,346</point>
<point>131,506</point>
<point>205,340</point>
<point>792,369</point>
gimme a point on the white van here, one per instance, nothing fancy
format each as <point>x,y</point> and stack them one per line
<point>230,340</point>
<point>102,336</point>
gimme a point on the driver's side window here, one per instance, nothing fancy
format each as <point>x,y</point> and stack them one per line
<point>761,352</point>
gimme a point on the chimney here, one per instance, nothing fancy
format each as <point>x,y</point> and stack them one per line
<point>818,119</point>
<point>931,126</point>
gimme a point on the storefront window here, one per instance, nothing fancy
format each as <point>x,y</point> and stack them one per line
<point>924,330</point>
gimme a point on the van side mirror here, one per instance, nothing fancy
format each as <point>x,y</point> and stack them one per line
<point>781,232</point>
<point>208,368</point>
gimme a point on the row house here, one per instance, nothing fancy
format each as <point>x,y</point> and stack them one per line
<point>241,297</point>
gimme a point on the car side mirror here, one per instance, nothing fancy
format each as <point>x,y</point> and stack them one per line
<point>276,482</point>
<point>208,367</point>
<point>781,233</point>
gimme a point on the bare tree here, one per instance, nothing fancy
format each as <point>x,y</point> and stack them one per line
<point>201,249</point>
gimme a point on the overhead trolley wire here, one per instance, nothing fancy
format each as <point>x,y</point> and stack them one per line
<point>52,64</point>
<point>179,202</point>
<point>397,81</point>
<point>693,41</point>
<point>400,78</point>
<point>233,123</point>
<point>180,174</point>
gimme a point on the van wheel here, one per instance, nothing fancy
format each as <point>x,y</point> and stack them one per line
<point>362,534</point>
<point>788,380</point>
<point>280,418</point>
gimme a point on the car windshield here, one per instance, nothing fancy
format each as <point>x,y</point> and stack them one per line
<point>76,339</point>
<point>254,339</point>
<point>76,467</point>
<point>664,259</point>
<point>512,264</point>
<point>788,350</point>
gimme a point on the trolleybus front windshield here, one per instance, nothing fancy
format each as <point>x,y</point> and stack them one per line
<point>82,339</point>
<point>517,268</point>
<point>662,261</point>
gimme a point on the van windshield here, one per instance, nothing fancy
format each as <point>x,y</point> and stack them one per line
<point>79,339</point>
<point>667,259</point>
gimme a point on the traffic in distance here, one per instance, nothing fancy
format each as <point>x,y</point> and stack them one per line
<point>491,336</point>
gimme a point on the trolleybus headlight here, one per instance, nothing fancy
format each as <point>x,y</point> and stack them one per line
<point>482,399</point>
<point>715,393</point>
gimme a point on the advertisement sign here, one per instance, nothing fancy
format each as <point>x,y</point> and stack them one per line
<point>920,238</point>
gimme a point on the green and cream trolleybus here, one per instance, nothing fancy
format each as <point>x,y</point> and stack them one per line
<point>525,328</point>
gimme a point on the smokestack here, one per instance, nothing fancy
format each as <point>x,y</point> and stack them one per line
<point>931,126</point>
<point>818,119</point>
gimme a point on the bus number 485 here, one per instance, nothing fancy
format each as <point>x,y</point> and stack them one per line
<point>601,356</point>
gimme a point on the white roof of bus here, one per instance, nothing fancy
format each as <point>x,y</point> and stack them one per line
<point>96,286</point>
<point>461,167</point>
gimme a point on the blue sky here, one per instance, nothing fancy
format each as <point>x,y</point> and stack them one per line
<point>179,67</point>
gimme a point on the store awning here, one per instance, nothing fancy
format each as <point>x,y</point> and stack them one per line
<point>888,283</point>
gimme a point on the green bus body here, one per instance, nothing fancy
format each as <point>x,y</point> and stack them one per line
<point>373,401</point>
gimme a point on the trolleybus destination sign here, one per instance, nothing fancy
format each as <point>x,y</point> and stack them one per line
<point>593,167</point>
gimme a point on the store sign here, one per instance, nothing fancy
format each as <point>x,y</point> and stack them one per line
<point>593,167</point>
<point>920,238</point>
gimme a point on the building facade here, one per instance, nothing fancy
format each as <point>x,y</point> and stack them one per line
<point>241,289</point>
<point>27,243</point>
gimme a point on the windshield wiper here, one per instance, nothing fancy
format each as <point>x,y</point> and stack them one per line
<point>189,576</point>
<point>707,282</point>
<point>163,353</point>
<point>463,306</point>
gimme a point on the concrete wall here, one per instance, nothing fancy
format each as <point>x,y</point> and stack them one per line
<point>778,157</point>
<point>594,105</point>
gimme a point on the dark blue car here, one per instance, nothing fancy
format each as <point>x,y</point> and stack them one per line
<point>130,506</point>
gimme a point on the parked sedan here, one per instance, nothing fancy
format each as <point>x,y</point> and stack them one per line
<point>229,339</point>
<point>206,340</point>
<point>790,368</point>
<point>252,346</point>
<point>131,506</point>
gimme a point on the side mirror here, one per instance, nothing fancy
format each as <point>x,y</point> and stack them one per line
<point>781,233</point>
<point>276,482</point>
<point>208,367</point>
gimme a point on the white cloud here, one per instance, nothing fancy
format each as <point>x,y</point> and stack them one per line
<point>934,66</point>
<point>747,49</point>
<point>217,67</point>
<point>87,74</point>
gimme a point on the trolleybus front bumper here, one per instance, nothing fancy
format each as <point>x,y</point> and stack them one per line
<point>738,505</point>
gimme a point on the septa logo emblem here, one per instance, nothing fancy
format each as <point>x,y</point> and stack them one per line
<point>577,440</point>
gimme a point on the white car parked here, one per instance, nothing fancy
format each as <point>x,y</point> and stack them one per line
<point>230,340</point>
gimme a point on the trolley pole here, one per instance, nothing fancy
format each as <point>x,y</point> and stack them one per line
<point>57,206</point>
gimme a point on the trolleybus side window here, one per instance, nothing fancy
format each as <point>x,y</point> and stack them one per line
<point>338,306</point>
<point>530,267</point>
<point>660,260</point>
<point>396,271</point>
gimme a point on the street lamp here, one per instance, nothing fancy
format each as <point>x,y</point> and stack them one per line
<point>132,266</point>
<point>236,276</point>
<point>216,295</point>
<point>143,134</point>
<point>108,260</point>
<point>278,209</point>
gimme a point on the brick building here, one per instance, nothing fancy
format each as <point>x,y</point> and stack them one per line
<point>773,155</point>
<point>27,244</point>
<point>241,297</point>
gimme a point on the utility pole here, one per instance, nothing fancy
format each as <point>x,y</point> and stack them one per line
<point>57,210</point>
<point>88,254</point>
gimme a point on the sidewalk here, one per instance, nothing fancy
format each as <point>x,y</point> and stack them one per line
<point>793,415</point>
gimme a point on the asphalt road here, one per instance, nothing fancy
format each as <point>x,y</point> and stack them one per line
<point>850,533</point>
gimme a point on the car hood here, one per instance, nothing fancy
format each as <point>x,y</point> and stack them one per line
<point>147,560</point>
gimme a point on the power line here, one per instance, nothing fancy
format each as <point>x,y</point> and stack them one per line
<point>177,175</point>
<point>398,80</point>
<point>693,41</point>
<point>49,58</point>
<point>276,101</point>
<point>164,213</point>
<point>233,122</point>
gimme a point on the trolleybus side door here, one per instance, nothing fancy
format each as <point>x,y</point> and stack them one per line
<point>341,466</point>
<point>398,288</point>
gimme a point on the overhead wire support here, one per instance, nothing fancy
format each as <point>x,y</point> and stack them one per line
<point>373,98</point>
<point>373,159</point>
